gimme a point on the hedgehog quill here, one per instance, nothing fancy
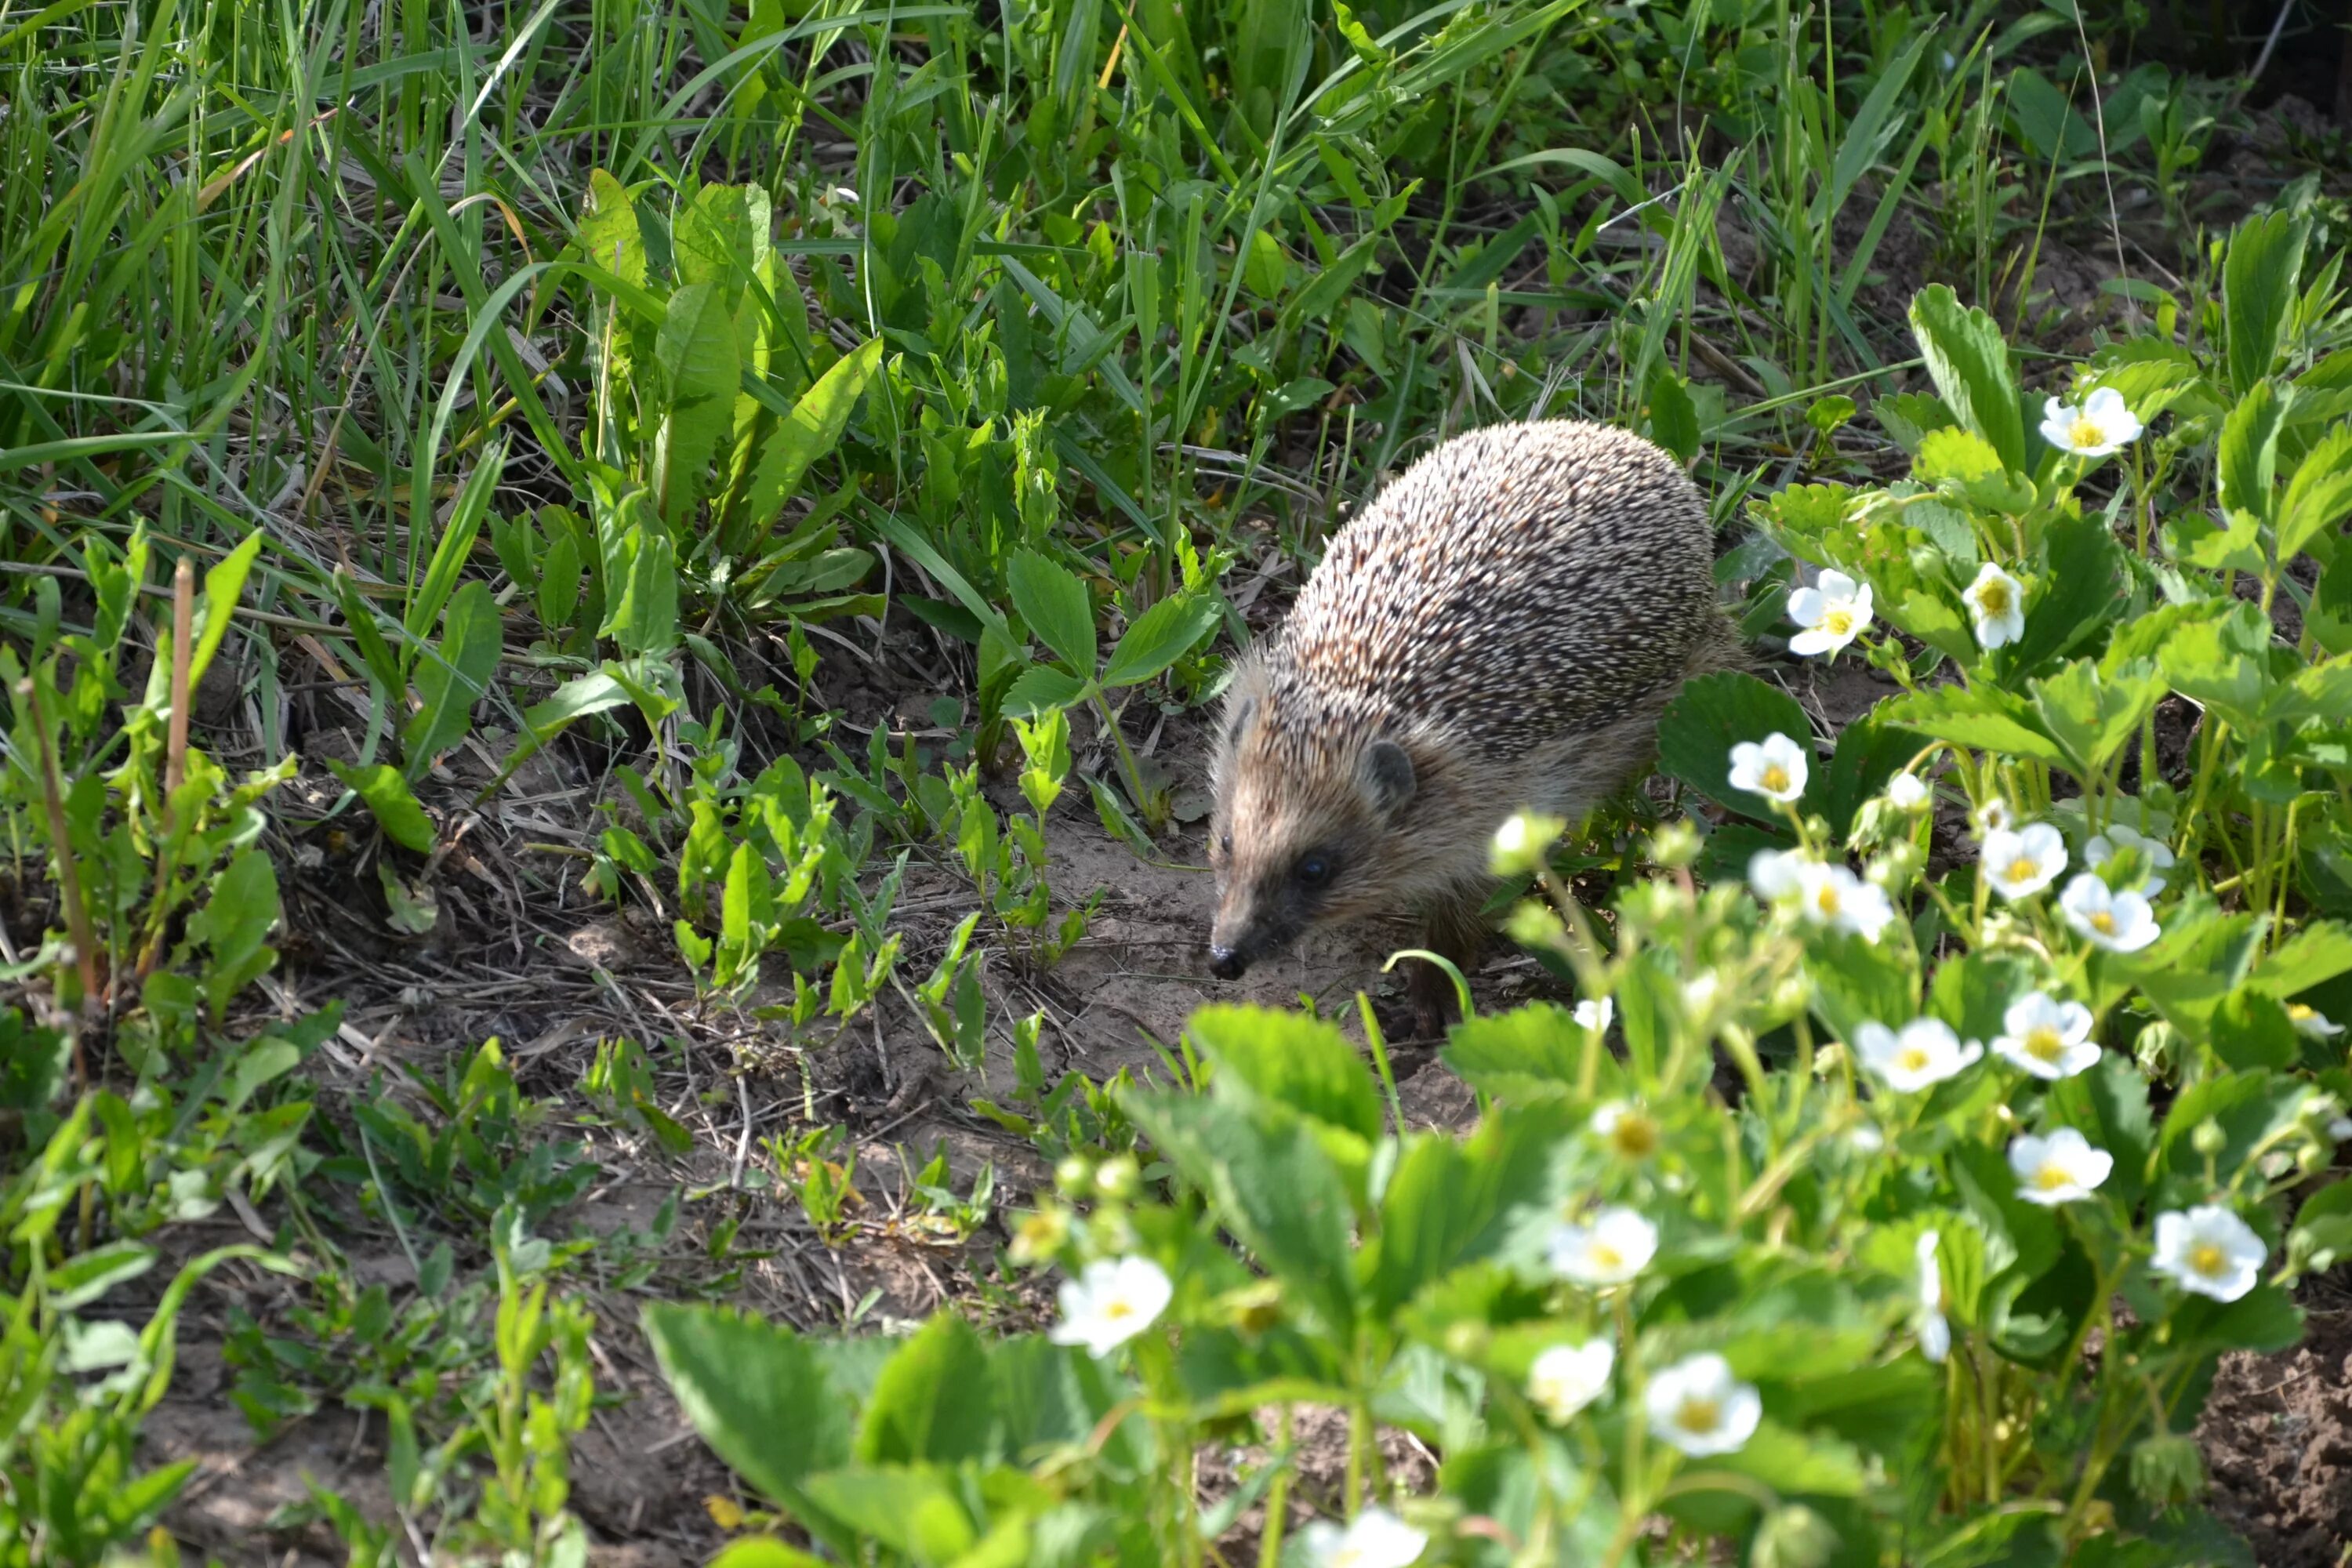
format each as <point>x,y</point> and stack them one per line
<point>1498,630</point>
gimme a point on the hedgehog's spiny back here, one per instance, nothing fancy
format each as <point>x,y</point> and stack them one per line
<point>1519,583</point>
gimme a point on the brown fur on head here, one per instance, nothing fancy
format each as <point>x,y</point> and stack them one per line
<point>1320,822</point>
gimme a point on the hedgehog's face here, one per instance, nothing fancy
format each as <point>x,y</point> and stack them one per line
<point>1292,846</point>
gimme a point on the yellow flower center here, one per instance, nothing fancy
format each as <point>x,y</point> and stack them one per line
<point>2050,1178</point>
<point>1695,1415</point>
<point>1118,1311</point>
<point>1911,1058</point>
<point>1636,1137</point>
<point>1838,623</point>
<point>1606,1258</point>
<point>2086,432</point>
<point>1826,898</point>
<point>2301,1012</point>
<point>2024,869</point>
<point>1776,778</point>
<point>2104,923</point>
<point>1993,598</point>
<point>2044,1044</point>
<point>2208,1259</point>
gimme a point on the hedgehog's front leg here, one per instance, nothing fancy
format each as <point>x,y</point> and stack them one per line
<point>1456,932</point>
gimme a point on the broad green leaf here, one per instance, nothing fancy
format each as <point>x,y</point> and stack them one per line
<point>2319,496</point>
<point>1969,365</point>
<point>1674,418</point>
<point>1448,1203</point>
<point>796,443</point>
<point>934,1402</point>
<point>1981,717</point>
<point>456,545</point>
<point>2249,452</point>
<point>1159,638</point>
<point>1954,454</point>
<point>910,1512</point>
<point>639,561</point>
<point>2224,664</point>
<point>1717,711</point>
<point>2263,1320</point>
<point>452,679</point>
<point>576,698</point>
<point>759,1395</point>
<point>765,1551</point>
<point>1054,604</point>
<point>2312,956</point>
<point>721,238</point>
<point>1272,1185</point>
<point>2080,588</point>
<point>1528,1052</point>
<point>2252,1030</point>
<point>608,229</point>
<point>235,926</point>
<point>1042,689</point>
<point>701,360</point>
<point>83,1279</point>
<point>222,586</point>
<point>2109,1105</point>
<point>387,795</point>
<point>1869,752</point>
<point>1288,1058</point>
<point>2258,292</point>
<point>2092,715</point>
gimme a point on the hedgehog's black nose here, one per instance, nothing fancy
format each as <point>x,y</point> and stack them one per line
<point>1225,963</point>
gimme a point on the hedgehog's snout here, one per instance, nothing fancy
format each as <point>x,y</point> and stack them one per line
<point>1226,964</point>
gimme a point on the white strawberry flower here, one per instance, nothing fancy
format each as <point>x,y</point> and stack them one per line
<point>1909,792</point>
<point>1935,1329</point>
<point>2049,1038</point>
<point>1699,1406</point>
<point>1994,815</point>
<point>1594,1013</point>
<point>1567,1378</point>
<point>2153,853</point>
<point>2058,1169</point>
<point>1996,601</point>
<point>1925,1054</point>
<point>2208,1251</point>
<point>2311,1023</point>
<point>1834,611</point>
<point>1776,768</point>
<point>2118,922</point>
<point>1616,1247</point>
<point>2021,864</point>
<point>1374,1539</point>
<point>2103,424</point>
<point>1778,874</point>
<point>1110,1302</point>
<point>1833,896</point>
<point>2340,1129</point>
<point>1631,1132</point>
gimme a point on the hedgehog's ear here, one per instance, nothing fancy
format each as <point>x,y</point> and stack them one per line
<point>1387,778</point>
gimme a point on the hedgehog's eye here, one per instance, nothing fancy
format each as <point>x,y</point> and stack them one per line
<point>1225,843</point>
<point>1314,870</point>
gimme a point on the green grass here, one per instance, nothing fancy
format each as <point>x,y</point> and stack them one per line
<point>594,390</point>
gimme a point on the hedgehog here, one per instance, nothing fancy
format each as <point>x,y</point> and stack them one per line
<point>1498,630</point>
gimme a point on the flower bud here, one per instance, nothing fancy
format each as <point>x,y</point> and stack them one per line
<point>1075,1175</point>
<point>1532,923</point>
<point>2166,1469</point>
<point>1793,1537</point>
<point>1118,1177</point>
<point>1039,1238</point>
<point>1521,843</point>
<point>1674,845</point>
<point>2208,1139</point>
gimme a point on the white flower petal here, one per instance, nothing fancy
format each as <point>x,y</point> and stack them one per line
<point>1776,768</point>
<point>2060,1169</point>
<point>1567,1378</point>
<point>1697,1407</point>
<point>1110,1302</point>
<point>2208,1251</point>
<point>1374,1539</point>
<point>1925,1054</point>
<point>2118,921</point>
<point>1611,1249</point>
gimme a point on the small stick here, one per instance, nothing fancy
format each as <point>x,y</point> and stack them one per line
<point>85,940</point>
<point>183,621</point>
